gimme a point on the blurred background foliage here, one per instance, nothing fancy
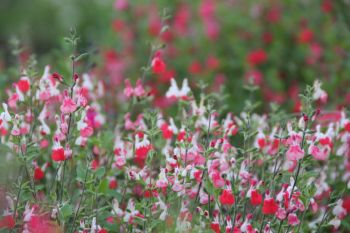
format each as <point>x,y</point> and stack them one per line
<point>303,40</point>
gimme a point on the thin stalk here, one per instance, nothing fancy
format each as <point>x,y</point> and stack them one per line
<point>80,201</point>
<point>17,198</point>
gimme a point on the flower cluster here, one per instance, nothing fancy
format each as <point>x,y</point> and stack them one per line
<point>196,170</point>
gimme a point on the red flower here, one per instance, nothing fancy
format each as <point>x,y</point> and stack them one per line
<point>215,227</point>
<point>23,85</point>
<point>327,6</point>
<point>58,155</point>
<point>305,36</point>
<point>113,184</point>
<point>94,164</point>
<point>7,222</point>
<point>346,204</point>
<point>257,57</point>
<point>57,76</point>
<point>142,151</point>
<point>42,223</point>
<point>167,132</point>
<point>347,126</point>
<point>273,15</point>
<point>195,67</point>
<point>212,62</point>
<point>38,173</point>
<point>227,198</point>
<point>256,198</point>
<point>158,65</point>
<point>269,206</point>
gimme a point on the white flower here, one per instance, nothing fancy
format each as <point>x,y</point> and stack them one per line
<point>319,94</point>
<point>5,116</point>
<point>174,90</point>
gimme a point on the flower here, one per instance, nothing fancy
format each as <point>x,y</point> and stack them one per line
<point>293,219</point>
<point>68,106</point>
<point>7,222</point>
<point>319,154</point>
<point>23,84</point>
<point>57,154</point>
<point>175,92</point>
<point>305,36</point>
<point>319,93</point>
<point>227,198</point>
<point>294,153</point>
<point>256,57</point>
<point>5,115</point>
<point>269,206</point>
<point>256,198</point>
<point>157,64</point>
<point>138,91</point>
<point>113,184</point>
<point>38,173</point>
<point>141,148</point>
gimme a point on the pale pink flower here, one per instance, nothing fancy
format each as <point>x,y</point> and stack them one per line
<point>295,153</point>
<point>139,90</point>
<point>128,90</point>
<point>68,106</point>
<point>319,153</point>
<point>162,181</point>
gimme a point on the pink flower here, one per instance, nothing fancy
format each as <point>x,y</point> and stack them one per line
<point>319,154</point>
<point>217,180</point>
<point>121,4</point>
<point>162,182</point>
<point>293,219</point>
<point>295,153</point>
<point>138,91</point>
<point>128,90</point>
<point>68,106</point>
<point>281,213</point>
<point>120,161</point>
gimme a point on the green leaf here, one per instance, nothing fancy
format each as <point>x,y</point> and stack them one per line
<point>103,187</point>
<point>100,172</point>
<point>66,210</point>
<point>81,170</point>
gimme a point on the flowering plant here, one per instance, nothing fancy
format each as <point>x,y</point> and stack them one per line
<point>79,158</point>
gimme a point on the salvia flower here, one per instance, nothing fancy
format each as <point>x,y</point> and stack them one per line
<point>269,205</point>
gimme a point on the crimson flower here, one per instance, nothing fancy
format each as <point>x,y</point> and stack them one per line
<point>227,198</point>
<point>269,206</point>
